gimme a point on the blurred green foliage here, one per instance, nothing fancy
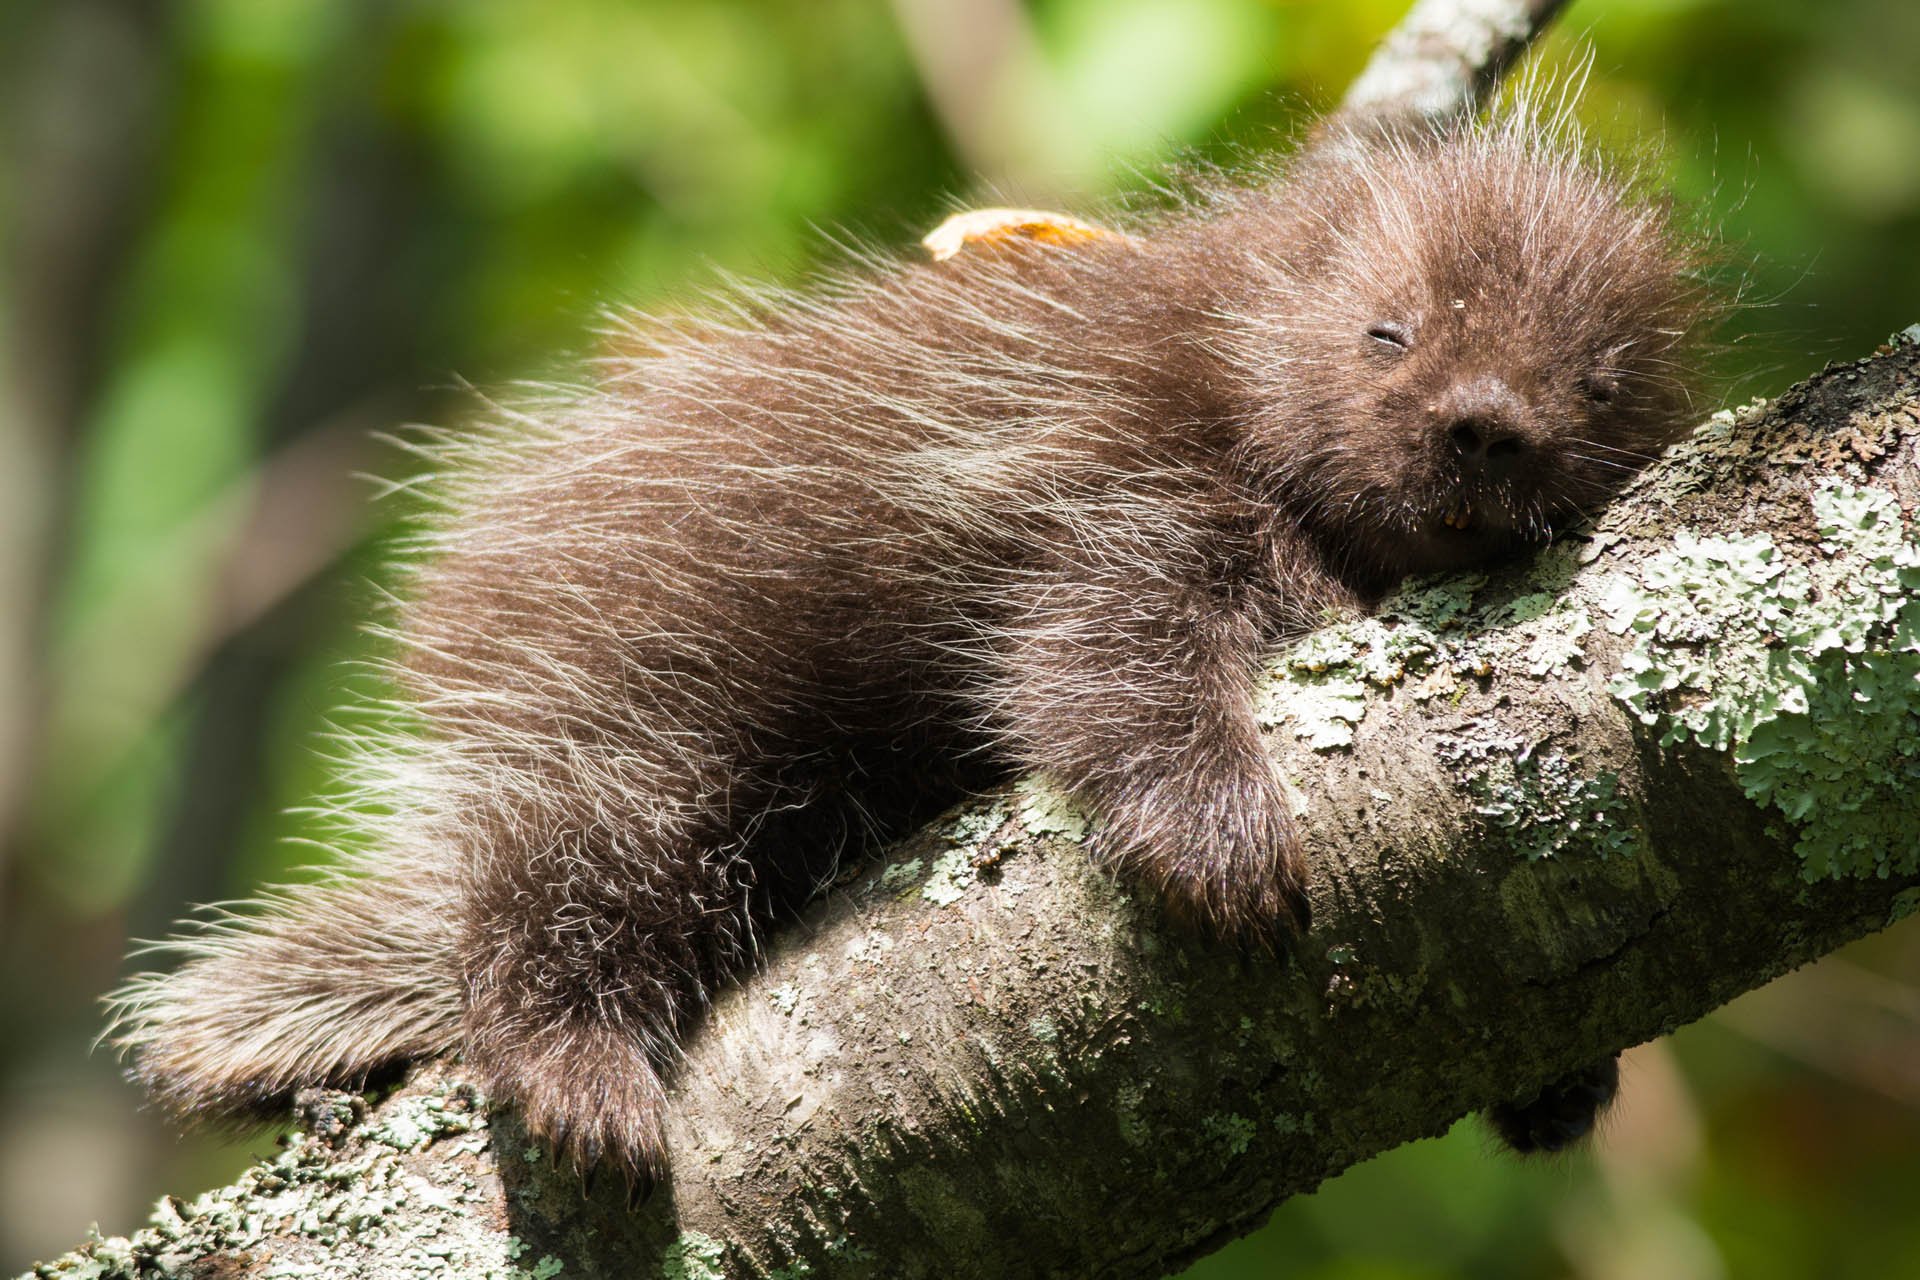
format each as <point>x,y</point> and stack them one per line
<point>242,236</point>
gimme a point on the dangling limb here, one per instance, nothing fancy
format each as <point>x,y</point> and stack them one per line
<point>1562,1113</point>
<point>586,955</point>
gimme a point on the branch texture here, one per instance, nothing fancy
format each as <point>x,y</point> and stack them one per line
<point>1554,811</point>
<point>1443,58</point>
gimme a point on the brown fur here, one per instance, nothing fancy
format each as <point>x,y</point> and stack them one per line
<point>782,580</point>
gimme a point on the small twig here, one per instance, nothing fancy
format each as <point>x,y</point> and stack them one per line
<point>1443,57</point>
<point>988,84</point>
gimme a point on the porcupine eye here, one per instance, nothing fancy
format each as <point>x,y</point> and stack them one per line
<point>1391,333</point>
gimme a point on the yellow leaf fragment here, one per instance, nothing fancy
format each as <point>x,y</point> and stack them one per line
<point>1000,226</point>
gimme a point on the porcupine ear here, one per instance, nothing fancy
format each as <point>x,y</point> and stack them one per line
<point>976,230</point>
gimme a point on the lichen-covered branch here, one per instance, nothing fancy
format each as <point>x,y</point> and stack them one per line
<point>1554,811</point>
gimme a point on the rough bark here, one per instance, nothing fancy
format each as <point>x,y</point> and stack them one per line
<point>1554,811</point>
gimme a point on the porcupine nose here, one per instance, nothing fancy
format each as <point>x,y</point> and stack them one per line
<point>1480,418</point>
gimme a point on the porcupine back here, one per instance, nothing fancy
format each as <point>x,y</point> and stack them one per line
<point>732,554</point>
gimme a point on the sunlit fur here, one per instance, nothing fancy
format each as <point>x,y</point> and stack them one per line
<point>790,573</point>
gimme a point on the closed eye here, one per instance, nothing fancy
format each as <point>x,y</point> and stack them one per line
<point>1391,333</point>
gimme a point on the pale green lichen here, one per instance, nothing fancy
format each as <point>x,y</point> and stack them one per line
<point>1540,804</point>
<point>1289,1125</point>
<point>1376,651</point>
<point>973,827</point>
<point>1044,811</point>
<point>1322,710</point>
<point>1809,677</point>
<point>1558,641</point>
<point>898,875</point>
<point>1706,618</point>
<point>409,1123</point>
<point>844,1247</point>
<point>320,1200</point>
<point>1527,608</point>
<point>955,870</point>
<point>1320,689</point>
<point>1134,1130</point>
<point>694,1256</point>
<point>953,874</point>
<point>1441,603</point>
<point>1230,1134</point>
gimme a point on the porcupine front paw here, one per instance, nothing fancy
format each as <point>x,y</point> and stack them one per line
<point>1227,861</point>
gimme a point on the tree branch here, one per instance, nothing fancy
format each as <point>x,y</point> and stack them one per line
<point>1443,58</point>
<point>1554,812</point>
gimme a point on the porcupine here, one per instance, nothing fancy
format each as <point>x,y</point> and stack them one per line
<point>789,573</point>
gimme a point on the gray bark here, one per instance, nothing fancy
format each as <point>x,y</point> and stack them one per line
<point>1443,54</point>
<point>984,1057</point>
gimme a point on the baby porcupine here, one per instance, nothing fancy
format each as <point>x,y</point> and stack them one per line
<point>677,638</point>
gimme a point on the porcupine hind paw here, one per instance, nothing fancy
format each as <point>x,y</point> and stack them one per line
<point>1561,1114</point>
